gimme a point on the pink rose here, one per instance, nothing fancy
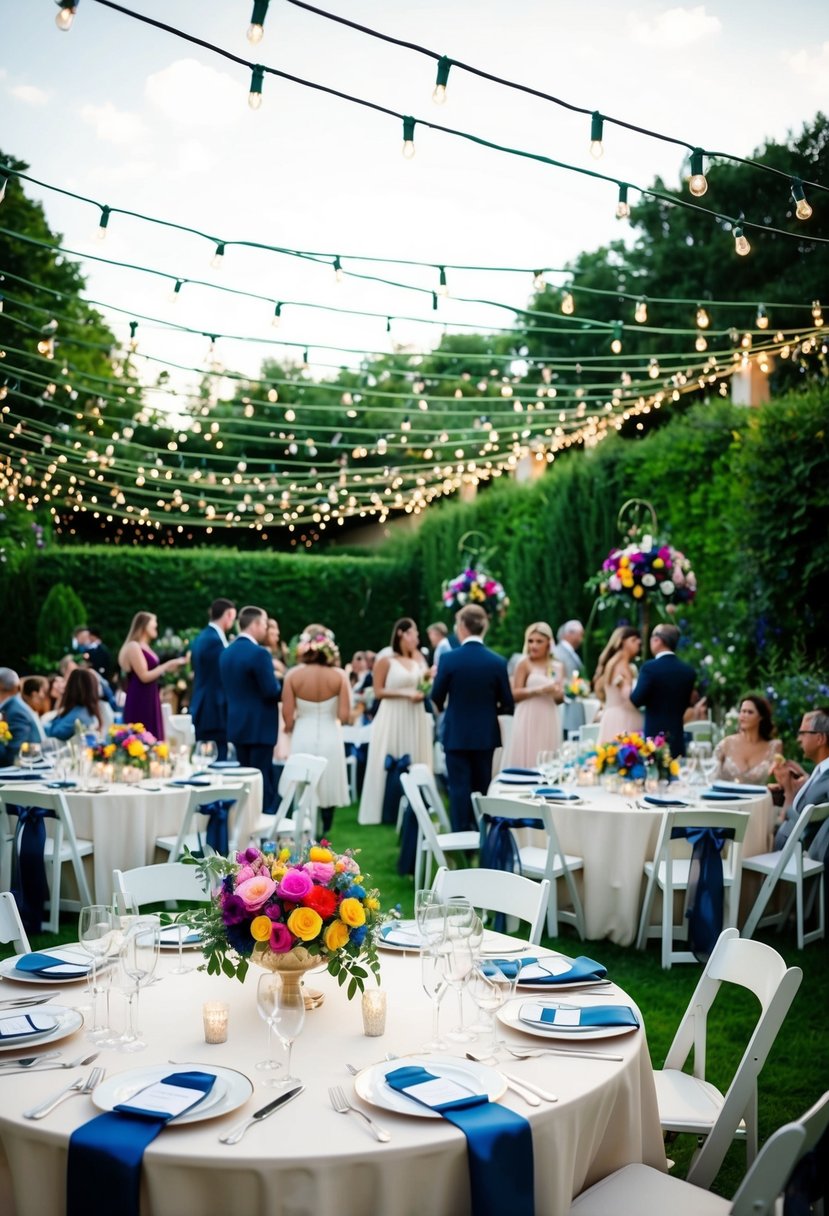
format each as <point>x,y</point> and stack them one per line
<point>281,940</point>
<point>244,874</point>
<point>294,885</point>
<point>320,871</point>
<point>254,892</point>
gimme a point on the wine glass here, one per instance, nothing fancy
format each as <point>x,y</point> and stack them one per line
<point>434,985</point>
<point>206,752</point>
<point>30,755</point>
<point>95,937</point>
<point>182,929</point>
<point>138,959</point>
<point>282,1005</point>
<point>489,989</point>
<point>265,1004</point>
<point>457,961</point>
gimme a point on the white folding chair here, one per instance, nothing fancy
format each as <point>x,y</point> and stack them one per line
<point>194,823</point>
<point>11,926</point>
<point>163,883</point>
<point>792,865</point>
<point>589,733</point>
<point>62,847</point>
<point>689,1103</point>
<point>649,1192</point>
<point>668,874</point>
<point>296,815</point>
<point>702,731</point>
<point>537,862</point>
<point>432,845</point>
<point>498,891</point>
<point>182,730</point>
<point>356,735</point>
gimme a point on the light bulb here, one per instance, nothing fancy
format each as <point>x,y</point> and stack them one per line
<point>277,316</point>
<point>255,94</point>
<point>762,320</point>
<point>66,15</point>
<point>218,257</point>
<point>408,149</point>
<point>254,100</point>
<point>174,294</point>
<point>741,244</point>
<point>256,29</point>
<point>539,282</point>
<point>443,289</point>
<point>697,182</point>
<point>439,94</point>
<point>803,211</point>
<point>817,312</point>
<point>653,368</point>
<point>596,132</point>
<point>622,210</point>
<point>640,314</point>
<point>616,346</point>
<point>102,225</point>
<point>701,343</point>
<point>568,304</point>
<point>255,33</point>
<point>703,320</point>
<point>408,137</point>
<point>439,91</point>
<point>338,271</point>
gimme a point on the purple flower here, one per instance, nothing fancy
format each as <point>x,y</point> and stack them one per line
<point>234,911</point>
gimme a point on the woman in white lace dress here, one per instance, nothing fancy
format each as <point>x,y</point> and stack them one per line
<point>748,755</point>
<point>316,701</point>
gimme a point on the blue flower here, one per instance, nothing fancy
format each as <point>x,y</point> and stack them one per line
<point>355,892</point>
<point>357,935</point>
<point>239,938</point>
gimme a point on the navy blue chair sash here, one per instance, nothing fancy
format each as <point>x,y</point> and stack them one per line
<point>809,1181</point>
<point>29,885</point>
<point>395,766</point>
<point>704,898</point>
<point>498,850</point>
<point>216,836</point>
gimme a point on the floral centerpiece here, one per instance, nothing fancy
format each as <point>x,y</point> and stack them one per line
<point>577,688</point>
<point>5,733</point>
<point>285,911</point>
<point>634,758</point>
<point>130,746</point>
<point>646,569</point>
<point>474,586</point>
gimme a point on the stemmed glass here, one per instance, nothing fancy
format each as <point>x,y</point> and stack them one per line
<point>138,959</point>
<point>95,937</point>
<point>182,929</point>
<point>283,1008</point>
<point>430,914</point>
<point>30,755</point>
<point>206,752</point>
<point>489,989</point>
<point>457,955</point>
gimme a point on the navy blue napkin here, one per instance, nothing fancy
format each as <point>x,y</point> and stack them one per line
<point>582,969</point>
<point>41,964</point>
<point>717,796</point>
<point>591,1017</point>
<point>654,800</point>
<point>731,787</point>
<point>188,781</point>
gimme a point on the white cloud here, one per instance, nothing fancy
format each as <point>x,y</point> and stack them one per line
<point>113,125</point>
<point>813,66</point>
<point>30,94</point>
<point>675,27</point>
<point>193,95</point>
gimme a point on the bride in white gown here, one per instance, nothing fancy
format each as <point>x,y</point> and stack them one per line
<point>316,701</point>
<point>401,725</point>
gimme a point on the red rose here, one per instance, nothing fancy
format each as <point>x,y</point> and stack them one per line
<point>322,901</point>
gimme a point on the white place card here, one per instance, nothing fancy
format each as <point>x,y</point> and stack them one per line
<point>164,1099</point>
<point>20,1024</point>
<point>437,1092</point>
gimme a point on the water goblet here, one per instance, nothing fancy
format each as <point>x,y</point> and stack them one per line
<point>457,961</point>
<point>266,1006</point>
<point>282,1005</point>
<point>29,755</point>
<point>206,753</point>
<point>138,959</point>
<point>489,995</point>
<point>95,937</point>
<point>434,985</point>
<point>182,929</point>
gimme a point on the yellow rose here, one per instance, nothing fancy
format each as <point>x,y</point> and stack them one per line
<point>638,592</point>
<point>319,854</point>
<point>657,563</point>
<point>260,928</point>
<point>352,912</point>
<point>336,935</point>
<point>109,750</point>
<point>305,923</point>
<point>162,751</point>
<point>284,854</point>
<point>673,768</point>
<point>372,904</point>
<point>624,560</point>
<point>136,749</point>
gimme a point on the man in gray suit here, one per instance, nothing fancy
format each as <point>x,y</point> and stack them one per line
<point>19,718</point>
<point>569,638</point>
<point>801,788</point>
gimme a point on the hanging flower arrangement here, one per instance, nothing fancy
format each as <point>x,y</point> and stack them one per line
<point>474,584</point>
<point>646,570</point>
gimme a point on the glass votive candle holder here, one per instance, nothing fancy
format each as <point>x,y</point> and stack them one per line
<point>215,1015</point>
<point>374,1012</point>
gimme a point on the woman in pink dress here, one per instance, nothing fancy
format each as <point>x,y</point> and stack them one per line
<point>142,669</point>
<point>613,681</point>
<point>538,689</point>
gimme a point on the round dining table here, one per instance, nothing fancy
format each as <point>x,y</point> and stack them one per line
<point>615,834</point>
<point>308,1160</point>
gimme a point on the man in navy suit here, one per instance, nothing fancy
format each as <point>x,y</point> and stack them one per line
<point>20,720</point>
<point>475,681</point>
<point>665,688</point>
<point>208,706</point>
<point>252,694</point>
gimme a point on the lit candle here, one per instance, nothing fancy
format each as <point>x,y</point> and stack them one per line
<point>374,1012</point>
<point>215,1014</point>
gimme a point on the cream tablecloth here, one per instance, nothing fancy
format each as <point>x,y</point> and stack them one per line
<point>615,839</point>
<point>307,1160</point>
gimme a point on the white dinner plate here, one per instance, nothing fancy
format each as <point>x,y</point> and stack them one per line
<point>398,947</point>
<point>8,967</point>
<point>231,1090</point>
<point>168,939</point>
<point>509,1016</point>
<point>68,1021</point>
<point>370,1084</point>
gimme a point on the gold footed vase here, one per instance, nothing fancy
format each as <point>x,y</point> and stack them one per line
<point>292,966</point>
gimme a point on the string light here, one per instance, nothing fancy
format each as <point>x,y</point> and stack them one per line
<point>640,314</point>
<point>218,256</point>
<point>741,244</point>
<point>568,304</point>
<point>802,209</point>
<point>697,183</point>
<point>256,29</point>
<point>338,270</point>
<point>66,14</point>
<point>443,289</point>
<point>761,320</point>
<point>4,181</point>
<point>623,206</point>
<point>439,93</point>
<point>653,368</point>
<point>703,319</point>
<point>277,315</point>
<point>701,343</point>
<point>596,133</point>
<point>408,137</point>
<point>174,294</point>
<point>102,225</point>
<point>616,344</point>
<point>539,282</point>
<point>817,312</point>
<point>255,94</point>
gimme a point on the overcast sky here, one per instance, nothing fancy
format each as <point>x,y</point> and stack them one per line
<point>135,118</point>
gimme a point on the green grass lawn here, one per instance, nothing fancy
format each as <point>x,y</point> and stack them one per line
<point>796,1072</point>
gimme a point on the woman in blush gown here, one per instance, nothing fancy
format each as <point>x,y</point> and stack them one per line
<point>143,670</point>
<point>613,682</point>
<point>316,701</point>
<point>538,690</point>
<point>749,755</point>
<point>401,725</point>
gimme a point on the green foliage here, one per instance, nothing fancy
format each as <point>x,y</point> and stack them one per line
<point>62,612</point>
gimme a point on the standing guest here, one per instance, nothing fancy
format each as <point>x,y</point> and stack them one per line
<point>401,725</point>
<point>665,689</point>
<point>22,723</point>
<point>276,648</point>
<point>800,788</point>
<point>473,683</point>
<point>570,637</point>
<point>538,690</point>
<point>749,755</point>
<point>613,681</point>
<point>316,703</point>
<point>143,670</point>
<point>80,704</point>
<point>97,655</point>
<point>252,694</point>
<point>208,707</point>
<point>438,636</point>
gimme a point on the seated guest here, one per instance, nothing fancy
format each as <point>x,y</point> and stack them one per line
<point>35,692</point>
<point>23,725</point>
<point>799,787</point>
<point>79,704</point>
<point>749,754</point>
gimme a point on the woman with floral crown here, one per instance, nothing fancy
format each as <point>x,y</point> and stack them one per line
<point>316,701</point>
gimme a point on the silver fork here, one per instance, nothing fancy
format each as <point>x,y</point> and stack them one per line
<point>342,1106</point>
<point>81,1062</point>
<point>80,1086</point>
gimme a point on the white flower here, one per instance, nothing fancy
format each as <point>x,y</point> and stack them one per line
<point>648,580</point>
<point>708,660</point>
<point>667,587</point>
<point>647,542</point>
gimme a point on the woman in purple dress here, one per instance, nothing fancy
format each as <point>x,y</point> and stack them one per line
<point>143,670</point>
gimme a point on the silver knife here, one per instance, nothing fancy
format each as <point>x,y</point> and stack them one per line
<point>20,1002</point>
<point>263,1113</point>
